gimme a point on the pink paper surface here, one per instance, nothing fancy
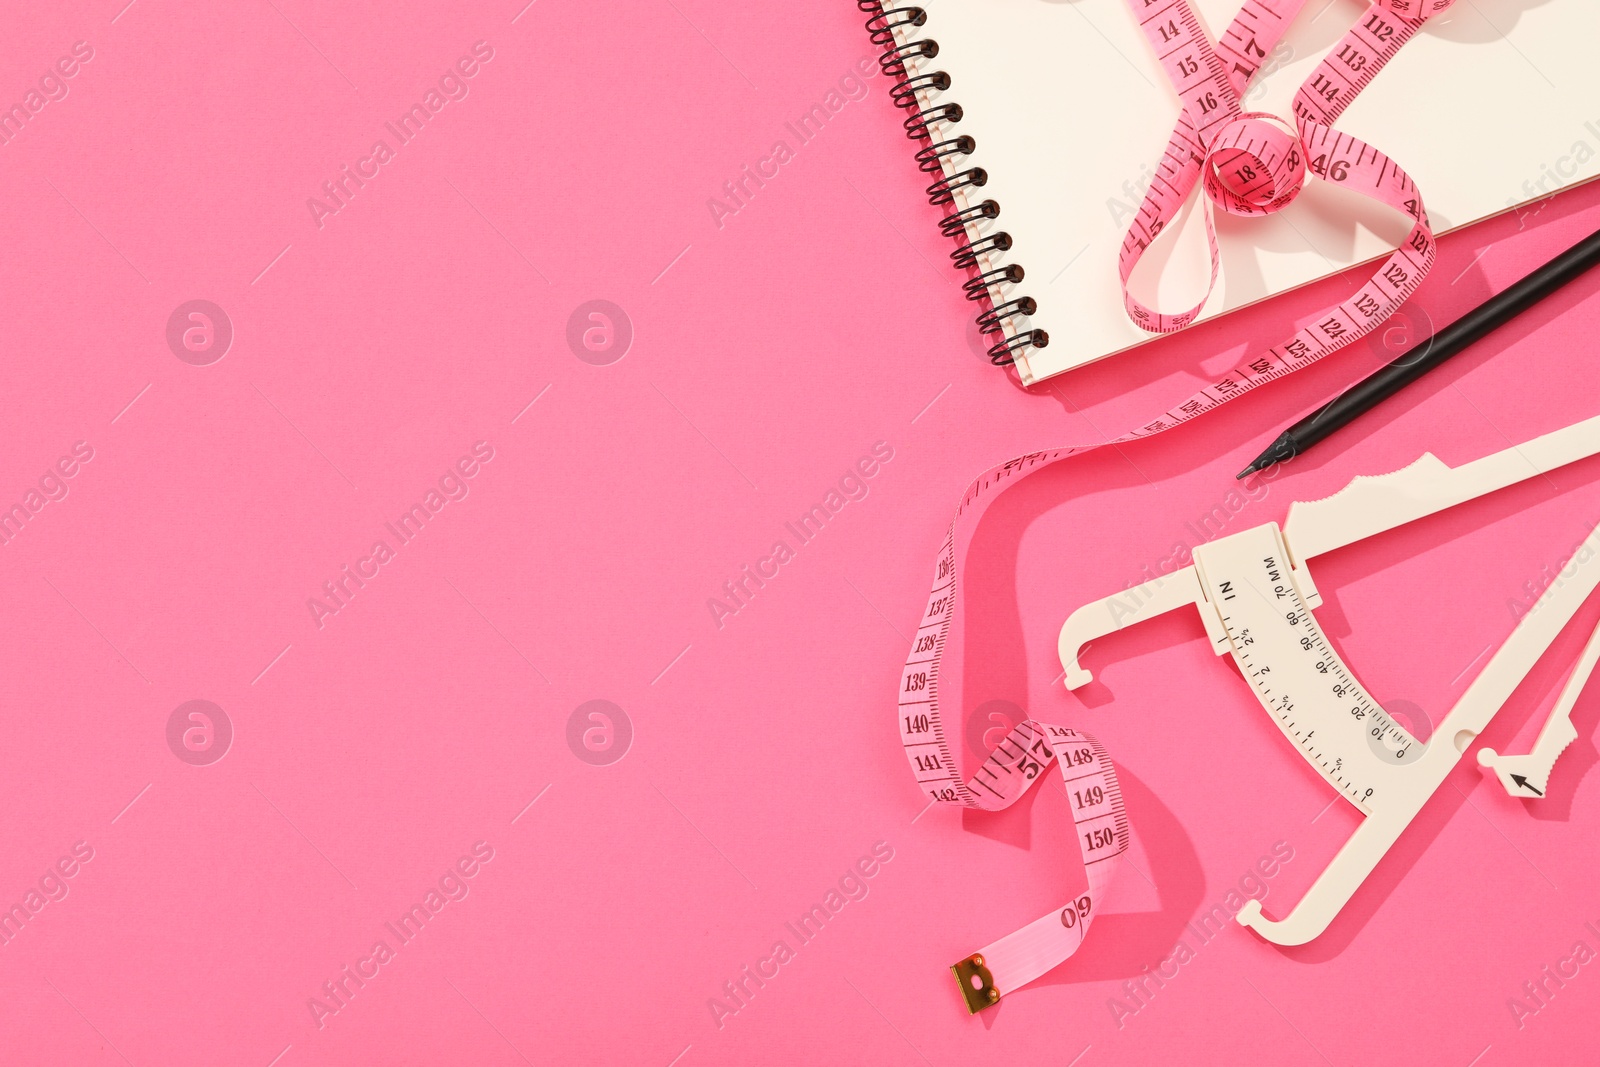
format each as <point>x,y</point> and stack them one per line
<point>600,871</point>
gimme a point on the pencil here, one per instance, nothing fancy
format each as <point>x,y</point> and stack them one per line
<point>1422,357</point>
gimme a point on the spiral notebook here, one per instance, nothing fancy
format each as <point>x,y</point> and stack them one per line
<point>1065,111</point>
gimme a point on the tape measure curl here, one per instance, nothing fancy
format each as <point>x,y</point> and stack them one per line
<point>1247,163</point>
<point>1250,164</point>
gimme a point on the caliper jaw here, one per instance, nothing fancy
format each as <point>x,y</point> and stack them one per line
<point>1528,775</point>
<point>1134,605</point>
<point>1149,599</point>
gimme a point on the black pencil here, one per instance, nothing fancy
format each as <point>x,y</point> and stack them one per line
<point>1422,357</point>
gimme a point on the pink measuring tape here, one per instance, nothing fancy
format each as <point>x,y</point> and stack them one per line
<point>1246,164</point>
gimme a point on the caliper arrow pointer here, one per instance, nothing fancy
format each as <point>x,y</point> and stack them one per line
<point>1523,782</point>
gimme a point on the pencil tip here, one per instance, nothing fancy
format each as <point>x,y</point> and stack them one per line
<point>1283,449</point>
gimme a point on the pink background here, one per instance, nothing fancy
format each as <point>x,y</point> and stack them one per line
<point>371,753</point>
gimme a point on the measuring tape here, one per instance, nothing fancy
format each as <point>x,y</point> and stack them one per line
<point>1228,148</point>
<point>1248,164</point>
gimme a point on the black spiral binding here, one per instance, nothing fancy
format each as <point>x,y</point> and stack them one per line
<point>946,159</point>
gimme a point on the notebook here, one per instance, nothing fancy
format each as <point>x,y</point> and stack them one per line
<point>1490,106</point>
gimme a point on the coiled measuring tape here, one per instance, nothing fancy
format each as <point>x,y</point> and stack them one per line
<point>1246,165</point>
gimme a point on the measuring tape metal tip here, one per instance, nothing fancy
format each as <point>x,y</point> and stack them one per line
<point>977,984</point>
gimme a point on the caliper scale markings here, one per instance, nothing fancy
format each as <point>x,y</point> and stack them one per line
<point>1269,627</point>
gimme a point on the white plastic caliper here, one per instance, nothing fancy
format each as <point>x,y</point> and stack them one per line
<point>1256,599</point>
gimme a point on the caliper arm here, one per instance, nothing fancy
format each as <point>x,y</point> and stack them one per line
<point>1155,597</point>
<point>1528,775</point>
